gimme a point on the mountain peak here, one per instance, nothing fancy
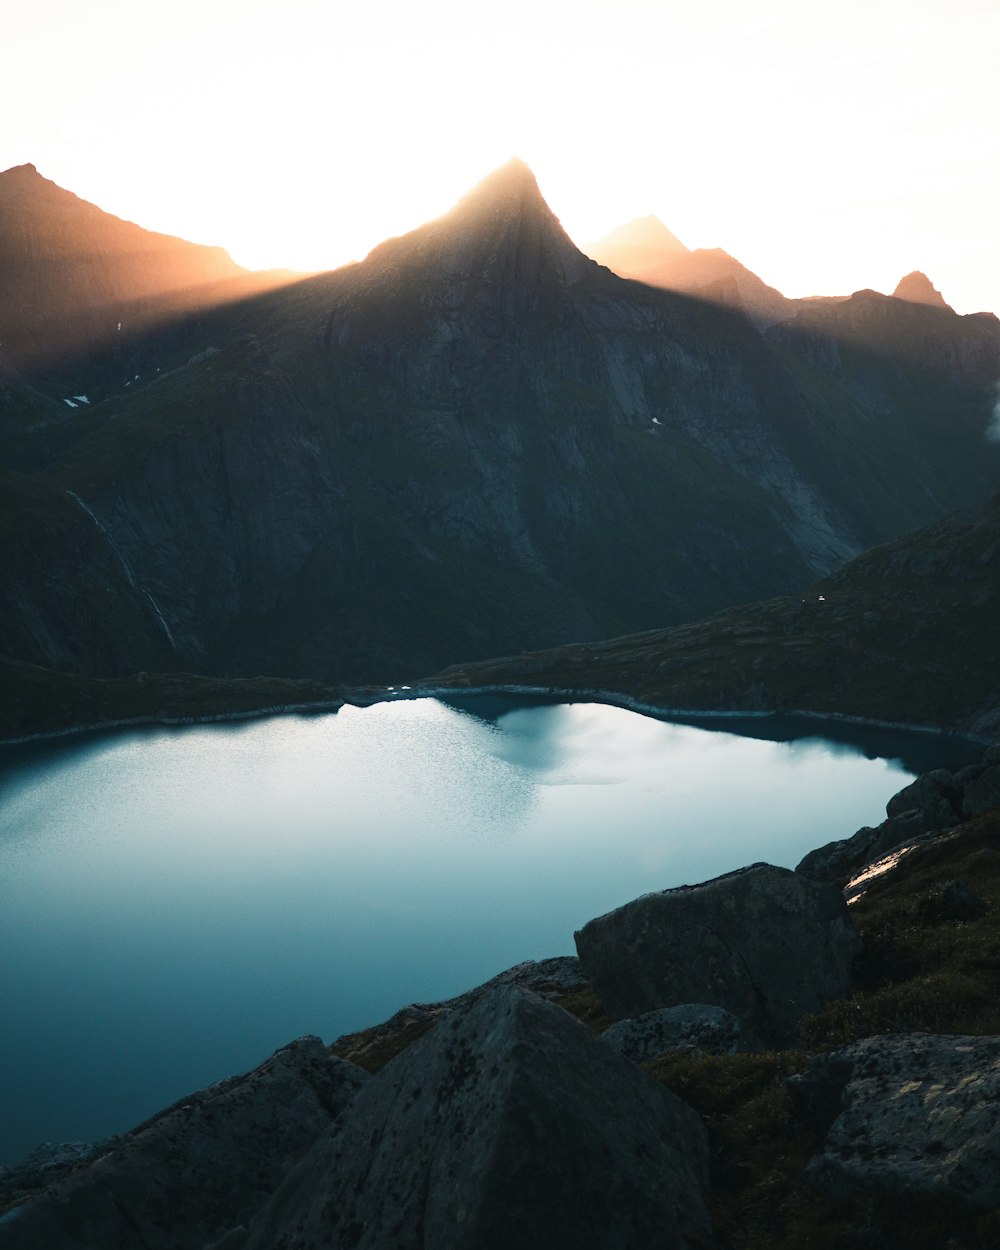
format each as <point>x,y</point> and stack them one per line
<point>22,180</point>
<point>917,288</point>
<point>511,183</point>
<point>502,225</point>
<point>646,234</point>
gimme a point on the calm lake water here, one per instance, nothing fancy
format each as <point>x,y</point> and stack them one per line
<point>175,904</point>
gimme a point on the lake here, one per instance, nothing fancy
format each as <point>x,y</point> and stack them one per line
<point>176,904</point>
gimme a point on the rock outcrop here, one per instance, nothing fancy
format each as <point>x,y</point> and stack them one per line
<point>691,1026</point>
<point>917,1114</point>
<point>195,1170</point>
<point>935,801</point>
<point>373,1047</point>
<point>980,785</point>
<point>509,1125</point>
<point>764,943</point>
<point>918,289</point>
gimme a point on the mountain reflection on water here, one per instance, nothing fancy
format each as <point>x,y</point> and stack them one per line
<point>916,751</point>
<point>175,904</point>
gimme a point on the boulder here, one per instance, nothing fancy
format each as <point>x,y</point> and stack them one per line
<point>981,792</point>
<point>373,1047</point>
<point>510,1124</point>
<point>766,943</point>
<point>197,1169</point>
<point>930,804</point>
<point>917,1114</point>
<point>906,829</point>
<point>935,795</point>
<point>836,861</point>
<point>691,1026</point>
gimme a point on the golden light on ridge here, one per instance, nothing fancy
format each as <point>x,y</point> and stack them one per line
<point>827,148</point>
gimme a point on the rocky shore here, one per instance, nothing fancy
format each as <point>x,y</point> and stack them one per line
<point>748,1062</point>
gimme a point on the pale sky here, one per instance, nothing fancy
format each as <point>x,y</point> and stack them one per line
<point>828,146</point>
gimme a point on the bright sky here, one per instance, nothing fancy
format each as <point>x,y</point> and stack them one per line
<point>828,145</point>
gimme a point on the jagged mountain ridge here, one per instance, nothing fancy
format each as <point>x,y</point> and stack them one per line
<point>647,251</point>
<point>474,442</point>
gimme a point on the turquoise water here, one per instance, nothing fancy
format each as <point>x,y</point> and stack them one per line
<point>175,904</point>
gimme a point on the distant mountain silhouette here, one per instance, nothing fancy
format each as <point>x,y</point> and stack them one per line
<point>474,442</point>
<point>918,289</point>
<point>636,246</point>
<point>647,251</point>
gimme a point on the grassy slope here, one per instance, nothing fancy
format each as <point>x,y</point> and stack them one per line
<point>905,633</point>
<point>38,702</point>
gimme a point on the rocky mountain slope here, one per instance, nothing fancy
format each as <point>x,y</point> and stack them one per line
<point>474,442</point>
<point>82,289</point>
<point>906,633</point>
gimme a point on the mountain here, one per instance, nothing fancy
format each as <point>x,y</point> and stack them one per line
<point>906,633</point>
<point>475,442</point>
<point>918,289</point>
<point>647,251</point>
<point>637,246</point>
<point>79,283</point>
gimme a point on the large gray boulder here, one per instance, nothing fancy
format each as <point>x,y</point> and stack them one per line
<point>765,943</point>
<point>374,1046</point>
<point>917,1114</point>
<point>690,1026</point>
<point>510,1124</point>
<point>203,1165</point>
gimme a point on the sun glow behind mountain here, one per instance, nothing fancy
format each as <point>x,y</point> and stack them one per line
<point>827,153</point>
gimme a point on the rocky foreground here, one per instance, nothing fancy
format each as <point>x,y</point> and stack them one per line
<point>747,1062</point>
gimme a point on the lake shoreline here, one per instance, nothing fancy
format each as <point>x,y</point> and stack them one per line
<point>108,811</point>
<point>368,697</point>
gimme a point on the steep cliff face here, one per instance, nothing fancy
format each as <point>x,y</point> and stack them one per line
<point>479,441</point>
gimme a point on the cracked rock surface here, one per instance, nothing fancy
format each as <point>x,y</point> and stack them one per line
<point>509,1125</point>
<point>918,1113</point>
